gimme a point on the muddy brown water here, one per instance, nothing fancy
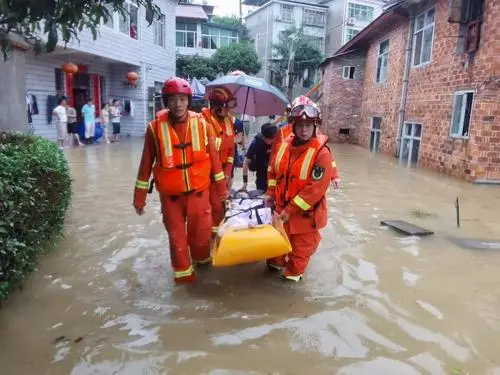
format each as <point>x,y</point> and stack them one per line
<point>373,301</point>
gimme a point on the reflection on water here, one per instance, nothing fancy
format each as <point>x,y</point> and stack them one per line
<point>373,302</point>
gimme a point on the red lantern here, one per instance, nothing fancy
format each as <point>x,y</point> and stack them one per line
<point>132,77</point>
<point>70,69</point>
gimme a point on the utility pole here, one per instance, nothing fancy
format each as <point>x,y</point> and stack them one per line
<point>241,11</point>
<point>291,57</point>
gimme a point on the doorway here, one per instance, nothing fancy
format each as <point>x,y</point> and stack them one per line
<point>410,145</point>
<point>80,99</point>
<point>375,134</point>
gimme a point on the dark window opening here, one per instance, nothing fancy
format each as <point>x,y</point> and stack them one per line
<point>348,72</point>
<point>344,131</point>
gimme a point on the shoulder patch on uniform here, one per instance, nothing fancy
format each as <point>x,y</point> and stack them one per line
<point>317,172</point>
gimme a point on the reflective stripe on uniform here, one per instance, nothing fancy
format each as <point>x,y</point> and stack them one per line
<point>229,126</point>
<point>195,135</point>
<point>306,164</point>
<point>301,203</point>
<point>215,229</point>
<point>271,183</point>
<point>334,164</point>
<point>167,142</point>
<point>219,176</point>
<point>279,156</point>
<point>139,184</point>
<point>293,278</point>
<point>230,159</point>
<point>218,143</point>
<point>185,273</point>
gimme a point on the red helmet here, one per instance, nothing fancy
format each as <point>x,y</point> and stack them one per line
<point>222,96</point>
<point>176,85</point>
<point>304,107</point>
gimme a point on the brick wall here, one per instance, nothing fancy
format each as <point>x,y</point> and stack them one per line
<point>431,92</point>
<point>341,100</point>
<point>383,99</point>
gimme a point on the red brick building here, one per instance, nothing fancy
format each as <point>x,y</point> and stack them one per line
<point>422,82</point>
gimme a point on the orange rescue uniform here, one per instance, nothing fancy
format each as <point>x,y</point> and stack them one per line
<point>183,159</point>
<point>223,129</point>
<point>299,178</point>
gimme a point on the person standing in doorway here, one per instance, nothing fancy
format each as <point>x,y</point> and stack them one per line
<point>105,112</point>
<point>73,127</point>
<point>62,121</point>
<point>115,113</point>
<point>257,157</point>
<point>88,111</point>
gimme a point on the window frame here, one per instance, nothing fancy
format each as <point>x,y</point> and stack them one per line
<point>380,60</point>
<point>374,130</point>
<point>218,38</point>
<point>422,30</point>
<point>290,12</point>
<point>116,20</point>
<point>314,16</point>
<point>160,23</point>
<point>462,114</point>
<point>348,75</point>
<point>359,10</point>
<point>346,31</point>
<point>411,137</point>
<point>185,32</point>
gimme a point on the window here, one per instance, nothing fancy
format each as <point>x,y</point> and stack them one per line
<point>286,13</point>
<point>410,145</point>
<point>185,35</point>
<point>317,42</point>
<point>314,17</point>
<point>127,23</point>
<point>375,134</point>
<point>360,12</point>
<point>382,61</point>
<point>423,37</point>
<point>215,37</point>
<point>462,108</point>
<point>110,22</point>
<point>159,31</point>
<point>350,33</point>
<point>348,72</point>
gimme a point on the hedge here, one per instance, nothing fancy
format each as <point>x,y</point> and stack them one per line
<point>35,193</point>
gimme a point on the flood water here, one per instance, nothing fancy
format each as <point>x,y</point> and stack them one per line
<point>372,302</point>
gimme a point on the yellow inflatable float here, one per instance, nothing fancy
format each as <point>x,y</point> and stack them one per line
<point>249,233</point>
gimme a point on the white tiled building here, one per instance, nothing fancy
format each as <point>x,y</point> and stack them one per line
<point>124,45</point>
<point>346,18</point>
<point>272,17</point>
<point>197,35</point>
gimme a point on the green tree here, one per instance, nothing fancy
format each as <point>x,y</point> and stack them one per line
<point>42,22</point>
<point>234,22</point>
<point>195,66</point>
<point>237,56</point>
<point>296,48</point>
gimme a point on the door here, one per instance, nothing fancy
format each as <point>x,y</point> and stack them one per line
<point>410,144</point>
<point>375,134</point>
<point>80,96</point>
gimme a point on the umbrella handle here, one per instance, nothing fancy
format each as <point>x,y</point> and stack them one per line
<point>246,102</point>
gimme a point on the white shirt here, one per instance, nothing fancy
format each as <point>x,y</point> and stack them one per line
<point>61,113</point>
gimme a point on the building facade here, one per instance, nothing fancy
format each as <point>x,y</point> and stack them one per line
<point>197,35</point>
<point>425,86</point>
<point>266,23</point>
<point>346,18</point>
<point>125,44</point>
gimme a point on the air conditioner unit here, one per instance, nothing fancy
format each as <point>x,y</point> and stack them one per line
<point>350,21</point>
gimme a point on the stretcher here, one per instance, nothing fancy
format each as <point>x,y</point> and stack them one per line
<point>249,233</point>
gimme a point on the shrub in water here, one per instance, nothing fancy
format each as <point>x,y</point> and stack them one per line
<point>35,193</point>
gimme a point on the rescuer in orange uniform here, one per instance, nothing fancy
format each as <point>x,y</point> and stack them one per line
<point>300,174</point>
<point>180,151</point>
<point>221,123</point>
<point>284,130</point>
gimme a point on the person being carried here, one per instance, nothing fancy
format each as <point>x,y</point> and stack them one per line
<point>257,157</point>
<point>179,149</point>
<point>221,123</point>
<point>299,177</point>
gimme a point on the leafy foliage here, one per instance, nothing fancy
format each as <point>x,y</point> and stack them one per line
<point>195,66</point>
<point>35,191</point>
<point>237,56</point>
<point>42,22</point>
<point>306,56</point>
